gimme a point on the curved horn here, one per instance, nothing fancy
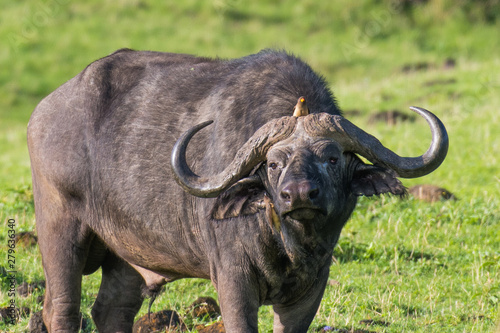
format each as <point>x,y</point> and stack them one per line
<point>249,155</point>
<point>356,140</point>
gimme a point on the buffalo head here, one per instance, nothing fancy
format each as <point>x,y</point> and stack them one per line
<point>308,167</point>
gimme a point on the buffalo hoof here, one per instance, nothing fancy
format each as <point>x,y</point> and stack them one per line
<point>205,307</point>
<point>162,321</point>
<point>431,193</point>
<point>217,327</point>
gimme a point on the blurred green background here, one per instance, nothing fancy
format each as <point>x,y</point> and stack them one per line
<point>378,55</point>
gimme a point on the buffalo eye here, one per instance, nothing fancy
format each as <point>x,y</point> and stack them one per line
<point>273,165</point>
<point>332,160</point>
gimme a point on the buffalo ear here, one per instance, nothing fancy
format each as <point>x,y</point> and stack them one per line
<point>245,197</point>
<point>371,180</point>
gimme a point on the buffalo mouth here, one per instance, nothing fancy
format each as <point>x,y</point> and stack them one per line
<point>304,213</point>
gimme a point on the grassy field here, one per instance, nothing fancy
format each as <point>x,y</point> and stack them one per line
<point>401,265</point>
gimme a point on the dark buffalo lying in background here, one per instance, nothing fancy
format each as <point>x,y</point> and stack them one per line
<point>262,219</point>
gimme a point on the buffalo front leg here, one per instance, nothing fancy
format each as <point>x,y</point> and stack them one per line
<point>298,316</point>
<point>239,302</point>
<point>119,297</point>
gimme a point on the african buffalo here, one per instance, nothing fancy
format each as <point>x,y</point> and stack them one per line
<point>279,177</point>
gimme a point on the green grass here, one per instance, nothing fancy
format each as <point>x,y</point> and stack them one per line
<point>416,266</point>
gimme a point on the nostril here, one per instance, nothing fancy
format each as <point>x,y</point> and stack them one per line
<point>314,193</point>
